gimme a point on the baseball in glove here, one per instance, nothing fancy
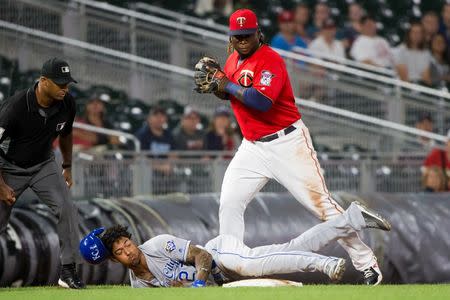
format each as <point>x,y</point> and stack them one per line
<point>209,77</point>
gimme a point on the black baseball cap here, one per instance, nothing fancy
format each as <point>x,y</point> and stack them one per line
<point>58,71</point>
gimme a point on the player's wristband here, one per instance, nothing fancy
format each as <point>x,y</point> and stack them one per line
<point>235,90</point>
<point>199,283</point>
<point>66,166</point>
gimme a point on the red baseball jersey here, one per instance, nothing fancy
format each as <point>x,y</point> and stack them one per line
<point>266,72</point>
<point>434,159</point>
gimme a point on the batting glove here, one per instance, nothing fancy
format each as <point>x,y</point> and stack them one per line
<point>198,283</point>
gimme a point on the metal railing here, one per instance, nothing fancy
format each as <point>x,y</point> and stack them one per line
<point>120,134</point>
<point>140,77</point>
<point>181,18</point>
<point>345,61</point>
<point>93,12</point>
<point>366,93</point>
<point>124,174</point>
<point>208,27</point>
<point>172,41</point>
<point>375,122</point>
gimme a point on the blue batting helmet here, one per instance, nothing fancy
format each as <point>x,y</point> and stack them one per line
<point>92,249</point>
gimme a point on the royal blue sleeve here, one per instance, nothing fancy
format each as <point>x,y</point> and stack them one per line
<point>256,100</point>
<point>249,96</point>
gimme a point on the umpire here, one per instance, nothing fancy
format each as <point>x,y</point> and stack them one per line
<point>30,121</point>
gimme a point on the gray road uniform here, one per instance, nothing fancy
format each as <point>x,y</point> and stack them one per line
<point>166,254</point>
<point>27,132</point>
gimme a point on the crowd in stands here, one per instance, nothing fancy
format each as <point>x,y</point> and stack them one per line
<point>161,139</point>
<point>190,134</point>
<point>422,56</point>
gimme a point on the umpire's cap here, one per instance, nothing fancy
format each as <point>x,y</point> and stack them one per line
<point>92,249</point>
<point>58,71</point>
<point>242,22</point>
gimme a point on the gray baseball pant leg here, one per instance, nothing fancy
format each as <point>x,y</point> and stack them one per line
<point>18,183</point>
<point>320,235</point>
<point>294,256</point>
<point>51,188</point>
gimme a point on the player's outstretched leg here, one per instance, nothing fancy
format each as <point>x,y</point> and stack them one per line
<point>352,220</point>
<point>373,220</point>
<point>309,188</point>
<point>231,254</point>
<point>335,269</point>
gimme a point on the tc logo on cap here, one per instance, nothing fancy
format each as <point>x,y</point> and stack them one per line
<point>65,69</point>
<point>241,21</point>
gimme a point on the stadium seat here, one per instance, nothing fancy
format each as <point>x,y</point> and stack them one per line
<point>173,109</point>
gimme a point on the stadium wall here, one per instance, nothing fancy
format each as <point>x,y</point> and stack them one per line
<point>415,251</point>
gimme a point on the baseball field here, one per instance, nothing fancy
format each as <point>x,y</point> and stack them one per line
<point>310,292</point>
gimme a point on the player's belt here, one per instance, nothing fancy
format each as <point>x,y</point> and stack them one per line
<point>274,136</point>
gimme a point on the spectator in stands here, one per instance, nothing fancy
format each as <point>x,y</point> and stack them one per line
<point>433,180</point>
<point>321,13</point>
<point>301,20</point>
<point>413,59</point>
<point>248,4</point>
<point>189,136</point>
<point>370,48</point>
<point>287,39</point>
<point>326,45</point>
<point>430,23</point>
<point>94,114</point>
<point>153,135</point>
<point>352,26</point>
<point>440,158</point>
<point>220,8</point>
<point>425,122</point>
<point>439,66</point>
<point>444,27</point>
<point>220,136</point>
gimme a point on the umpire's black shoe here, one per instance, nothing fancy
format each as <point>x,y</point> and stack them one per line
<point>69,278</point>
<point>372,276</point>
<point>373,220</point>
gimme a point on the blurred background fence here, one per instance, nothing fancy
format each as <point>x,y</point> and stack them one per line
<point>155,81</point>
<point>118,174</point>
<point>164,37</point>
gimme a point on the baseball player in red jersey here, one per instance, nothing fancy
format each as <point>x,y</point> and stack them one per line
<point>277,144</point>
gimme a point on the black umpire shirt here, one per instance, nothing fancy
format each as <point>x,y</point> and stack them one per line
<point>27,130</point>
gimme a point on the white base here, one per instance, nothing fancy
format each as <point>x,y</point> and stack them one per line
<point>263,282</point>
<point>63,284</point>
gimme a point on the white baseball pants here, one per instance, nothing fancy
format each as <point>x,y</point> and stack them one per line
<point>292,161</point>
<point>231,254</point>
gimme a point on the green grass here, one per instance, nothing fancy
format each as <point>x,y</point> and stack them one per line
<point>309,292</point>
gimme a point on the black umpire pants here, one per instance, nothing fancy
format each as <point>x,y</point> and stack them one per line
<point>46,181</point>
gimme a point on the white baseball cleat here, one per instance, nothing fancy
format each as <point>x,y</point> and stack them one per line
<point>373,220</point>
<point>335,268</point>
